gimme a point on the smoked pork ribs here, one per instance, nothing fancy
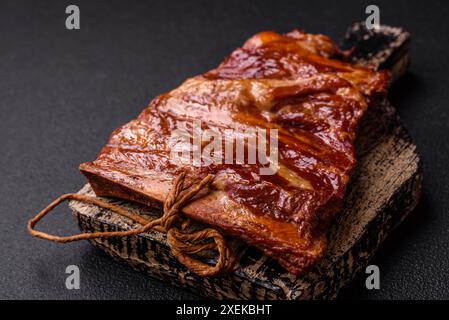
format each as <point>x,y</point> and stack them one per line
<point>297,85</point>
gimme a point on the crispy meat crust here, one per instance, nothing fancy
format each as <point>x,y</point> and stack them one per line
<point>293,83</point>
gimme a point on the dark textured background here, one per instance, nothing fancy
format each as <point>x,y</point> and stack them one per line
<point>63,92</point>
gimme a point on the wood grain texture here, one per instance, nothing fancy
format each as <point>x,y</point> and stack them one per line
<point>385,187</point>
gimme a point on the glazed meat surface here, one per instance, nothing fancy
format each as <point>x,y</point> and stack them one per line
<point>295,83</point>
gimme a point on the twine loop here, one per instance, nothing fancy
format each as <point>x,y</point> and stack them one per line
<point>183,244</point>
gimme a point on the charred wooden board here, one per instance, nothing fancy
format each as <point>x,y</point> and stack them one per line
<point>384,188</point>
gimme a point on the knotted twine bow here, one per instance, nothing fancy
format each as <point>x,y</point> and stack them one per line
<point>183,244</point>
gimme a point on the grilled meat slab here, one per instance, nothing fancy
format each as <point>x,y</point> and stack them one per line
<point>296,83</point>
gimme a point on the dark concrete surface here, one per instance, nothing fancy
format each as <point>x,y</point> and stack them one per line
<point>63,92</point>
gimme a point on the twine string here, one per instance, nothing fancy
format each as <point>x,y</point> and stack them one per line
<point>183,244</point>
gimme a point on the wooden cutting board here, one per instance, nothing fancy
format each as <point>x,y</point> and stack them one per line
<point>384,189</point>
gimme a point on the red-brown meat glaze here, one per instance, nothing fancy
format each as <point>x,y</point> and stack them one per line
<point>292,83</point>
